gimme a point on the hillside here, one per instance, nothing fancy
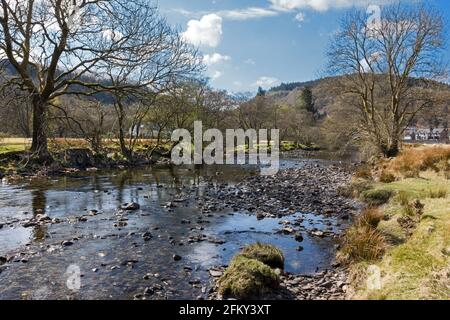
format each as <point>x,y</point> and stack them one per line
<point>325,98</point>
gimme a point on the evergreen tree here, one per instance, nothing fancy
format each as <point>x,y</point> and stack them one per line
<point>261,92</point>
<point>307,100</point>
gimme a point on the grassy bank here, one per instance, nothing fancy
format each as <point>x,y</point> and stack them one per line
<point>8,145</point>
<point>407,239</point>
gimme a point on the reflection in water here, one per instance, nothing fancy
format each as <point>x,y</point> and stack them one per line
<point>38,201</point>
<point>39,204</point>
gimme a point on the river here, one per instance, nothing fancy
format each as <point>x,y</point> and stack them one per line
<point>120,254</point>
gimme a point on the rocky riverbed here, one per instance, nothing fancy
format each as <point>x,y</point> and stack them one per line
<point>161,233</point>
<point>313,188</point>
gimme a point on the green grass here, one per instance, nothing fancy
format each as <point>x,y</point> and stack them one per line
<point>418,188</point>
<point>377,196</point>
<point>415,266</point>
<point>265,253</point>
<point>7,148</point>
<point>247,279</point>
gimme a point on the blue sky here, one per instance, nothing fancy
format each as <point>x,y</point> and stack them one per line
<point>248,43</point>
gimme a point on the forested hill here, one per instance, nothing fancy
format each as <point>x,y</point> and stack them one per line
<point>326,99</point>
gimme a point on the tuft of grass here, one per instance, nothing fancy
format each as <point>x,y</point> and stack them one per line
<point>362,243</point>
<point>440,193</point>
<point>403,198</point>
<point>265,253</point>
<point>387,177</point>
<point>377,197</point>
<point>370,217</point>
<point>363,173</point>
<point>247,279</point>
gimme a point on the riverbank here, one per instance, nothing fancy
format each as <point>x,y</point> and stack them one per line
<point>73,156</point>
<point>403,248</point>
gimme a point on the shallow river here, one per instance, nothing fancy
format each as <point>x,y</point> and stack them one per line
<point>109,248</point>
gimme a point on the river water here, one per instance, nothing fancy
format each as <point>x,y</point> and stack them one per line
<point>109,250</point>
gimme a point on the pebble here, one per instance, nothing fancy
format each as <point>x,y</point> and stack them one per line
<point>67,243</point>
<point>130,206</point>
<point>176,257</point>
<point>299,237</point>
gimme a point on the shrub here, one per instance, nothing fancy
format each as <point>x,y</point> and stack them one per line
<point>370,217</point>
<point>387,177</point>
<point>265,253</point>
<point>247,279</point>
<point>376,197</point>
<point>362,243</point>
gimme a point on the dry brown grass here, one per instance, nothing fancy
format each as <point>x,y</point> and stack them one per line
<point>362,243</point>
<point>414,160</point>
<point>387,177</point>
<point>363,173</point>
<point>370,217</point>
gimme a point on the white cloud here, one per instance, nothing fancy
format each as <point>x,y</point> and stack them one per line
<point>216,75</point>
<point>266,82</point>
<point>214,58</point>
<point>321,5</point>
<point>248,13</point>
<point>250,62</point>
<point>204,32</point>
<point>235,14</point>
<point>300,17</point>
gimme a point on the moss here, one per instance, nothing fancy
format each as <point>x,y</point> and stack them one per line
<point>265,253</point>
<point>377,197</point>
<point>247,279</point>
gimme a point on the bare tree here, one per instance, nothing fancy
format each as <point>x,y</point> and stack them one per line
<point>382,63</point>
<point>15,111</point>
<point>63,47</point>
<point>158,60</point>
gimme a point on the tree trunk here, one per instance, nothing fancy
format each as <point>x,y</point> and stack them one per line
<point>39,145</point>
<point>123,148</point>
<point>391,150</point>
<point>123,145</point>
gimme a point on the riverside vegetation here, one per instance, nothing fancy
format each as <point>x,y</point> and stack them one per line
<point>405,231</point>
